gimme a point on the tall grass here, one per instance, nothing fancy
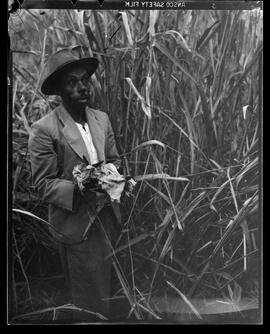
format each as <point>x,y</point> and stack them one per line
<point>182,91</point>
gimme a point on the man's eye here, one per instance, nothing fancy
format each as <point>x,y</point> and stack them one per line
<point>71,82</point>
<point>85,80</point>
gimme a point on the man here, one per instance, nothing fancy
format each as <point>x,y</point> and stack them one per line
<point>83,222</point>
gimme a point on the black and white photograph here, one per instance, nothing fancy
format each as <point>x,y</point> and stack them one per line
<point>134,162</point>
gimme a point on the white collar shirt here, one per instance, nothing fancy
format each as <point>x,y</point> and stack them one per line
<point>87,138</point>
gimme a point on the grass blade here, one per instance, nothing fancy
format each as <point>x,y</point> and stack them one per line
<point>186,300</point>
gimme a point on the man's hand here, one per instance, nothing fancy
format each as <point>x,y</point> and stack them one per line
<point>129,186</point>
<point>83,177</point>
<point>102,178</point>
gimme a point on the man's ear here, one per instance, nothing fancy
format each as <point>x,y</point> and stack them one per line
<point>57,87</point>
<point>57,91</point>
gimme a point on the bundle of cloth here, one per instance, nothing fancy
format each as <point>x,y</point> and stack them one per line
<point>104,178</point>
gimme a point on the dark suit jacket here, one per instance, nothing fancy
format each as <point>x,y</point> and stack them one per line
<point>55,147</point>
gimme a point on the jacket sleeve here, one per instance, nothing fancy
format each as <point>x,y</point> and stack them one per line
<point>45,172</point>
<point>112,154</point>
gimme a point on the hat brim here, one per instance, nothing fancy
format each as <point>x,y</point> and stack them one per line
<point>49,85</point>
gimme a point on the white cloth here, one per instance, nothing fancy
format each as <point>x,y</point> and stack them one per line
<point>112,182</point>
<point>87,138</point>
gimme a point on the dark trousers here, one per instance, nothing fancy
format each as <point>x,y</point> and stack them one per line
<point>87,272</point>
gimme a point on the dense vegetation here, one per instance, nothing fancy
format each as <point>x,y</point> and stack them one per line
<point>182,89</point>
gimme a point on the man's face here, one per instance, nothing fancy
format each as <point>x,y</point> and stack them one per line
<point>74,86</point>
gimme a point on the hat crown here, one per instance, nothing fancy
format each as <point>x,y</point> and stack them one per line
<point>59,59</point>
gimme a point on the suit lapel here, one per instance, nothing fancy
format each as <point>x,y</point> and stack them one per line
<point>72,134</point>
<point>97,132</point>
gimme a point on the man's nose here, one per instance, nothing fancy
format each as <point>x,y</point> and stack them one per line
<point>81,85</point>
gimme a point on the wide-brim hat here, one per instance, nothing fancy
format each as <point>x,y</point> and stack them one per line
<point>58,63</point>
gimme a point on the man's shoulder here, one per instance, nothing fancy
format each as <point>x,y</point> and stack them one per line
<point>99,115</point>
<point>98,112</point>
<point>46,122</point>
